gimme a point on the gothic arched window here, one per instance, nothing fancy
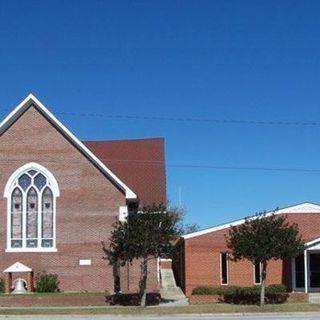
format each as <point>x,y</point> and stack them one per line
<point>31,192</point>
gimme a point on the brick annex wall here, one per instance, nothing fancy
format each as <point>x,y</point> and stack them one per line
<point>86,209</point>
<point>202,258</point>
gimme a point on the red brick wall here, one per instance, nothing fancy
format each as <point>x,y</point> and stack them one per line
<point>166,264</point>
<point>53,300</point>
<point>202,258</point>
<point>204,299</point>
<point>130,276</point>
<point>86,209</point>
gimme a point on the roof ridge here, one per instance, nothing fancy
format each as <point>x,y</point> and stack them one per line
<point>121,140</point>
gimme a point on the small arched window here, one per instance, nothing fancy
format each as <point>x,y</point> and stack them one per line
<point>31,192</point>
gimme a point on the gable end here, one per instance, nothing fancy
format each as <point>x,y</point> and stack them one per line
<point>31,100</point>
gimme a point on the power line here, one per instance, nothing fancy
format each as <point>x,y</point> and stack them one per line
<point>191,119</point>
<point>186,165</point>
<point>212,166</point>
<point>194,119</point>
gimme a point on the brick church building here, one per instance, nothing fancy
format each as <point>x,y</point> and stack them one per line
<point>203,259</point>
<point>61,197</point>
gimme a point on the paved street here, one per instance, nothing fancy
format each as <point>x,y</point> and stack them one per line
<point>187,317</point>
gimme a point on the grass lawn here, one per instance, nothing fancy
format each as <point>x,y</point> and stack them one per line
<point>196,309</point>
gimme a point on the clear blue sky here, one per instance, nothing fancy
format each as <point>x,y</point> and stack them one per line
<point>242,60</point>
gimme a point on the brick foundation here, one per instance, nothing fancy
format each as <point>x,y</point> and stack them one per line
<point>52,300</point>
<point>203,299</point>
<point>298,297</point>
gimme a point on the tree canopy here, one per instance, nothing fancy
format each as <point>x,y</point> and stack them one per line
<point>262,238</point>
<point>146,235</point>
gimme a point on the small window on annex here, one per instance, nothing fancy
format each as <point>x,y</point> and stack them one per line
<point>257,273</point>
<point>224,267</point>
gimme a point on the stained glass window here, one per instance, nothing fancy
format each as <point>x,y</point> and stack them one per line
<point>32,211</point>
<point>47,214</point>
<point>24,181</point>
<point>40,181</point>
<point>16,217</point>
<point>32,172</point>
<point>32,217</point>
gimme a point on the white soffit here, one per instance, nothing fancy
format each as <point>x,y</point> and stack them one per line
<point>313,244</point>
<point>306,207</point>
<point>32,100</point>
<point>18,267</point>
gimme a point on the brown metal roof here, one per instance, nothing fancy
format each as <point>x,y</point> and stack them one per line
<point>140,164</point>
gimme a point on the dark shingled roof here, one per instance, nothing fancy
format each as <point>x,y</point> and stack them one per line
<point>140,164</point>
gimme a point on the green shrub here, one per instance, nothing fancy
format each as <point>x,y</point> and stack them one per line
<point>241,295</point>
<point>133,299</point>
<point>251,295</point>
<point>276,289</point>
<point>276,293</point>
<point>47,282</point>
<point>206,290</point>
<point>2,289</point>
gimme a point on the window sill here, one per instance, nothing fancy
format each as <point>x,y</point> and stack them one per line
<point>40,250</point>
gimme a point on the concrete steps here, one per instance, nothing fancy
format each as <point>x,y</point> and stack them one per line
<point>171,294</point>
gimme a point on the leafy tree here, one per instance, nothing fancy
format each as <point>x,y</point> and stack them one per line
<point>146,235</point>
<point>262,238</point>
<point>115,253</point>
<point>183,228</point>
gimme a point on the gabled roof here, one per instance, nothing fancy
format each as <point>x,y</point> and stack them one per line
<point>140,163</point>
<point>31,100</point>
<point>18,267</point>
<point>306,207</point>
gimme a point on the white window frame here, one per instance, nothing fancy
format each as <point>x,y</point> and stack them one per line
<point>10,186</point>
<point>227,268</point>
<point>254,273</point>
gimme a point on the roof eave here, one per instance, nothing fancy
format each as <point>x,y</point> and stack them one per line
<point>290,209</point>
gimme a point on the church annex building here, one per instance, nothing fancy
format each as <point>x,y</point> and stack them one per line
<point>203,259</point>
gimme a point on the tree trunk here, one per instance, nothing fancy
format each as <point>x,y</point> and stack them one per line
<point>116,276</point>
<point>143,282</point>
<point>263,283</point>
